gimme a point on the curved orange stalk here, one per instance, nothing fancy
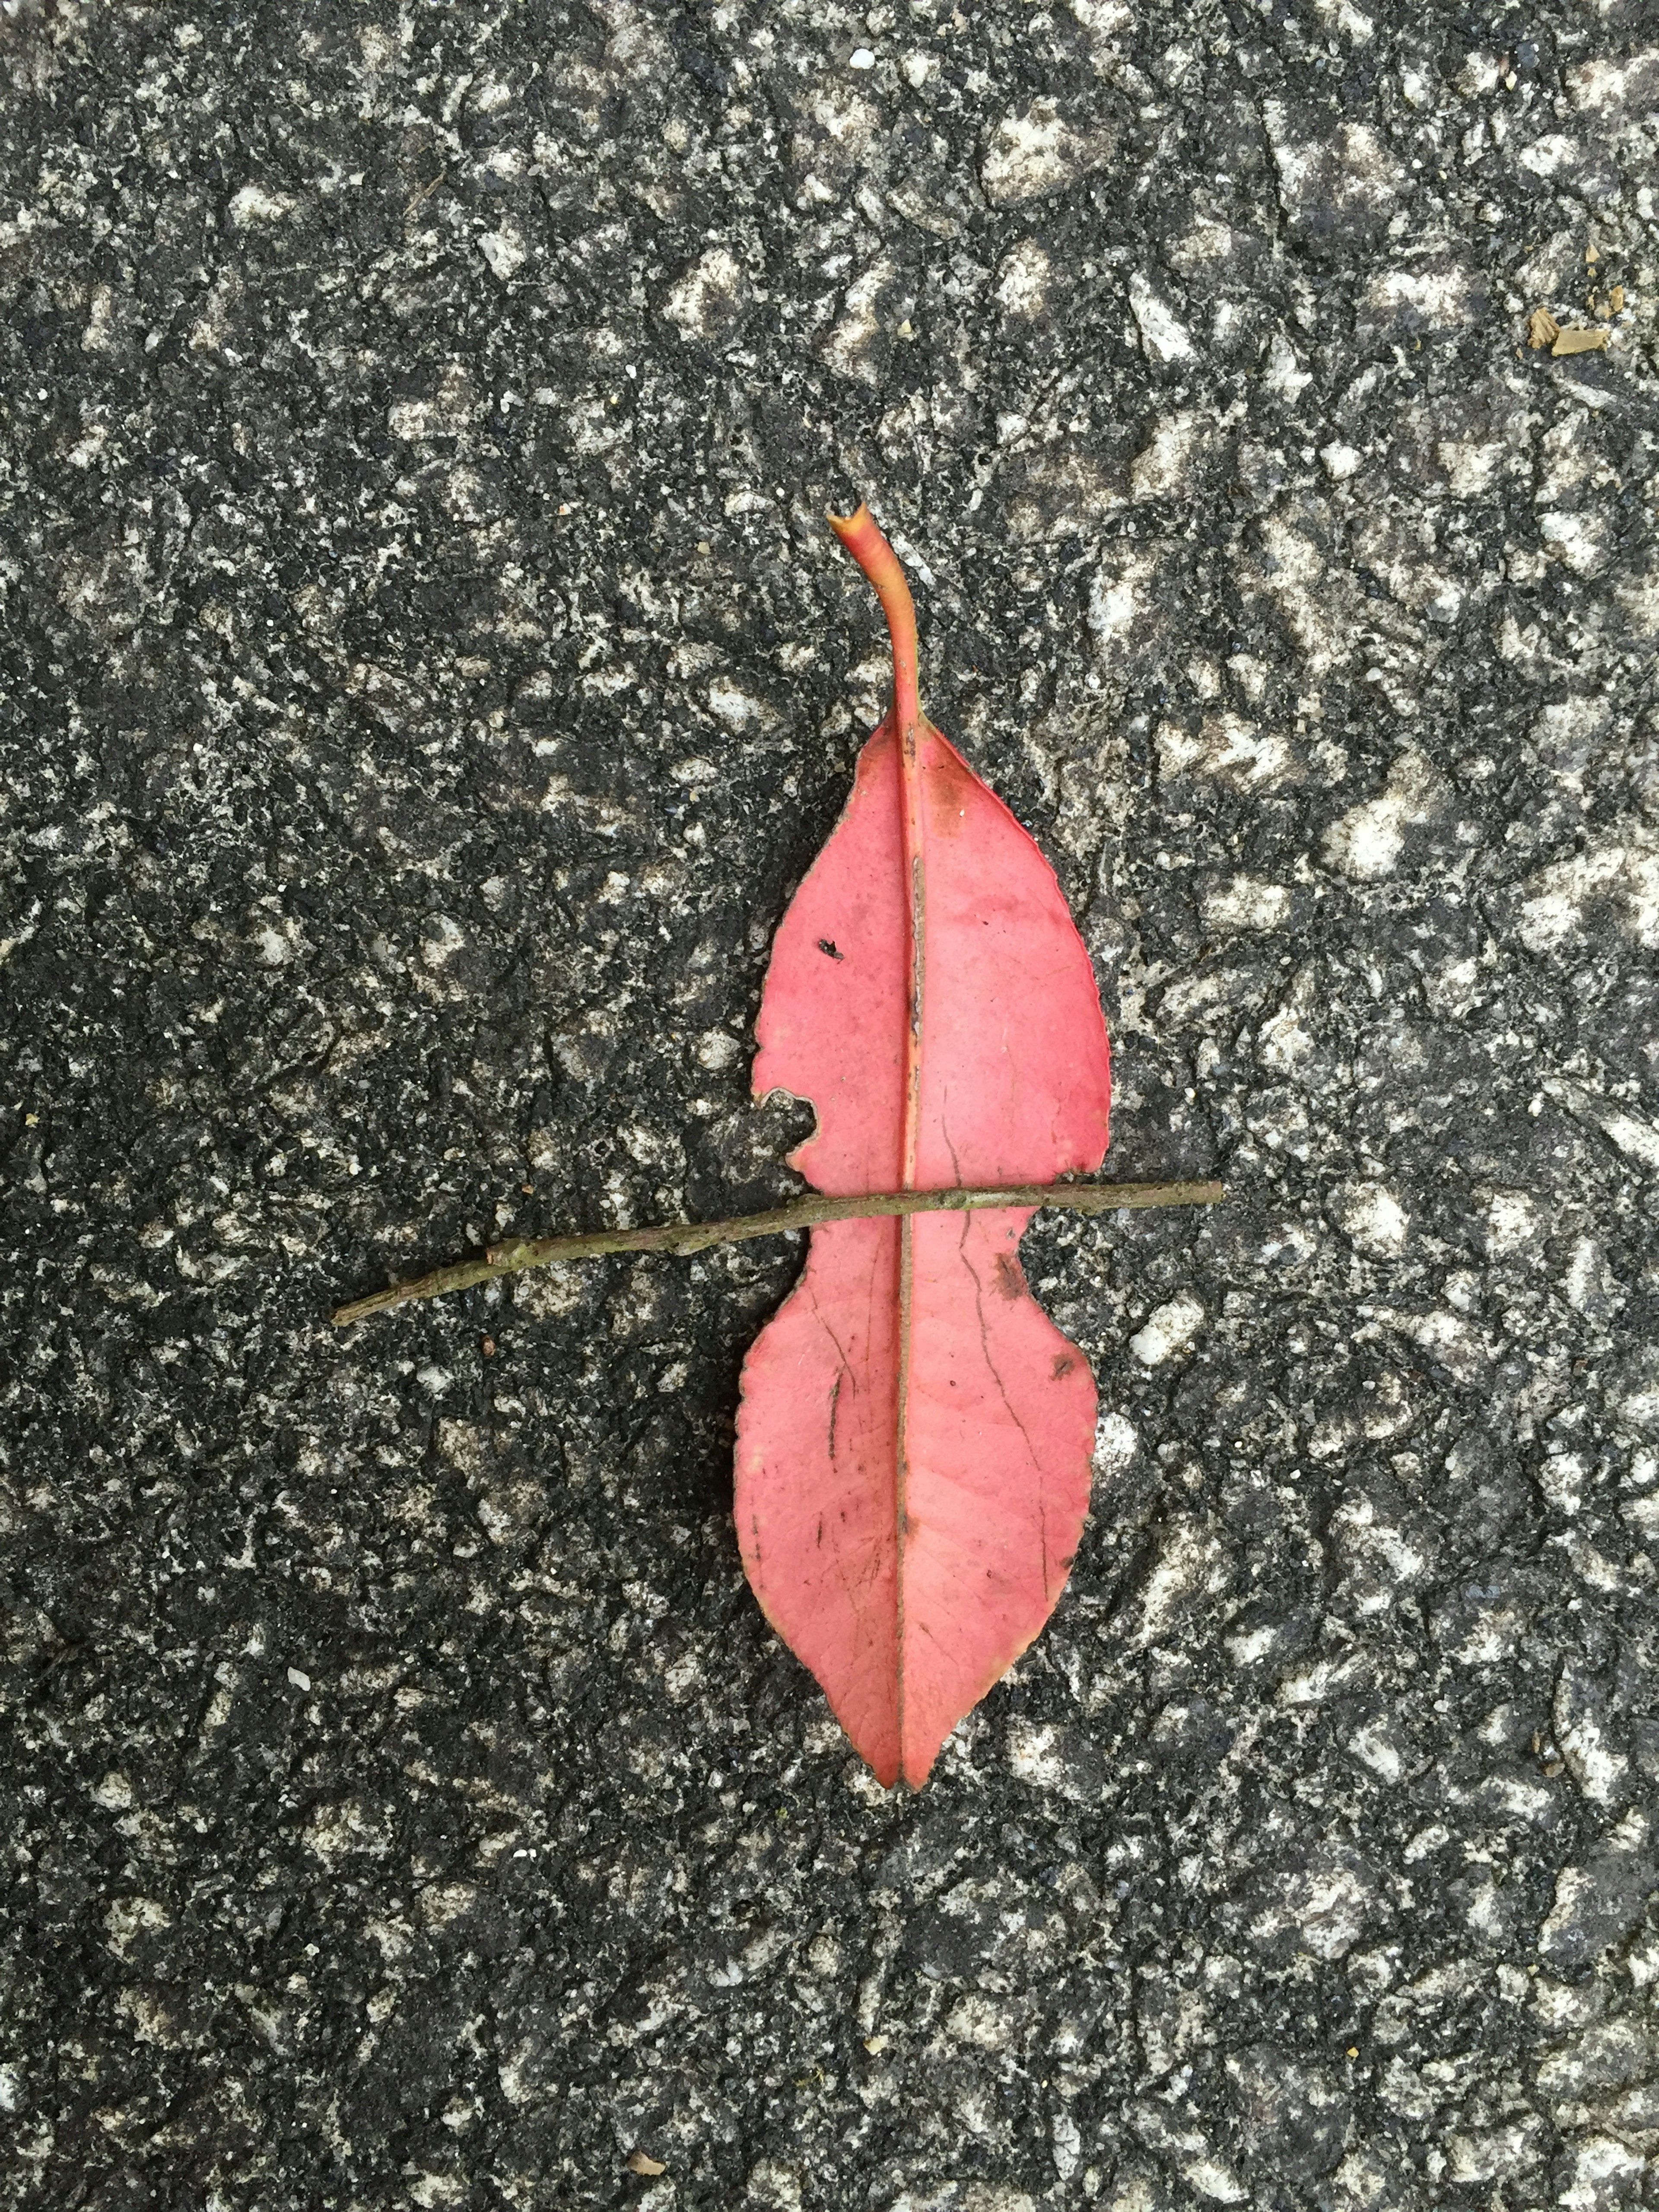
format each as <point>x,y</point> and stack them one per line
<point>861,535</point>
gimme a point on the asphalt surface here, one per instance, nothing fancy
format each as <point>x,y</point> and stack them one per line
<point>427,673</point>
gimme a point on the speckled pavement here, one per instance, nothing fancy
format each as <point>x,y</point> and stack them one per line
<point>427,673</point>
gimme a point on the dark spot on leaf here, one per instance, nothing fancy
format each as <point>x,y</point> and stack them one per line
<point>1010,1281</point>
<point>1064,1363</point>
<point>949,789</point>
<point>828,945</point>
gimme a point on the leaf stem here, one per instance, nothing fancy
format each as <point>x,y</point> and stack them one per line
<point>683,1238</point>
<point>861,535</point>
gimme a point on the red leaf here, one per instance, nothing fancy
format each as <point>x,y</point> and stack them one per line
<point>915,1437</point>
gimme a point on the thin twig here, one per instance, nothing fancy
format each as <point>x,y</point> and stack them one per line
<point>423,195</point>
<point>682,1238</point>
